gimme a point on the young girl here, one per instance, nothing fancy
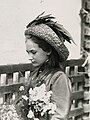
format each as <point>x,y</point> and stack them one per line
<point>46,49</point>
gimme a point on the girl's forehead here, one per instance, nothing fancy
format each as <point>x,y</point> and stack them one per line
<point>31,44</point>
<point>29,41</point>
<point>33,39</point>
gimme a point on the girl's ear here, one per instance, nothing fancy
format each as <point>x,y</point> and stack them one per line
<point>48,53</point>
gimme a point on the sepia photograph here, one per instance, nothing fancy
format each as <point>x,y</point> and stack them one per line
<point>44,60</point>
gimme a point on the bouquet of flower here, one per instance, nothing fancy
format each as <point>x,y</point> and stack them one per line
<point>8,112</point>
<point>32,106</point>
<point>39,102</point>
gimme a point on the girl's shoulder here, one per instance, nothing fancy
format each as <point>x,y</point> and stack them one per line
<point>61,77</point>
<point>58,72</point>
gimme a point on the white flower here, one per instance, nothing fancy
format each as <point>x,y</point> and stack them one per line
<point>53,108</point>
<point>36,119</point>
<point>45,99</point>
<point>49,94</point>
<point>25,97</point>
<point>21,88</point>
<point>40,104</point>
<point>38,93</point>
<point>8,112</point>
<point>45,108</point>
<point>30,91</point>
<point>30,114</point>
<point>51,112</point>
<point>42,113</point>
<point>40,99</point>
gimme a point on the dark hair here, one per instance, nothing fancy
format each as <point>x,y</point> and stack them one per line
<point>54,57</point>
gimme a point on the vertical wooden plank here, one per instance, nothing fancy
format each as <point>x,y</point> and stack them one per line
<point>0,80</point>
<point>15,77</point>
<point>3,79</point>
<point>67,69</point>
<point>27,74</point>
<point>1,99</point>
<point>75,70</point>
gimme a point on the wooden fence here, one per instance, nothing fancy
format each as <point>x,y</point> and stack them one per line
<point>13,76</point>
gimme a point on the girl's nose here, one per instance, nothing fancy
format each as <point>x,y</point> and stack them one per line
<point>30,57</point>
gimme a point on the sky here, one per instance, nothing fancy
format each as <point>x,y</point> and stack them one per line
<point>16,14</point>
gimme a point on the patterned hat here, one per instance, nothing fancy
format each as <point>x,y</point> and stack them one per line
<point>51,32</point>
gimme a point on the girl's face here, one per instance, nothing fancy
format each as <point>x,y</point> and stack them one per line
<point>36,54</point>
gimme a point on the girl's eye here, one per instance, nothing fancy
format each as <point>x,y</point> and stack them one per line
<point>27,51</point>
<point>32,51</point>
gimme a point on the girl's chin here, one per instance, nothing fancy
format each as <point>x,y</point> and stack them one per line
<point>35,64</point>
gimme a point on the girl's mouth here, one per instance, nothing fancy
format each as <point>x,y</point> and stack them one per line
<point>33,62</point>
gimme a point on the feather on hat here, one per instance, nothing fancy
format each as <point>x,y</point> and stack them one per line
<point>44,28</point>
